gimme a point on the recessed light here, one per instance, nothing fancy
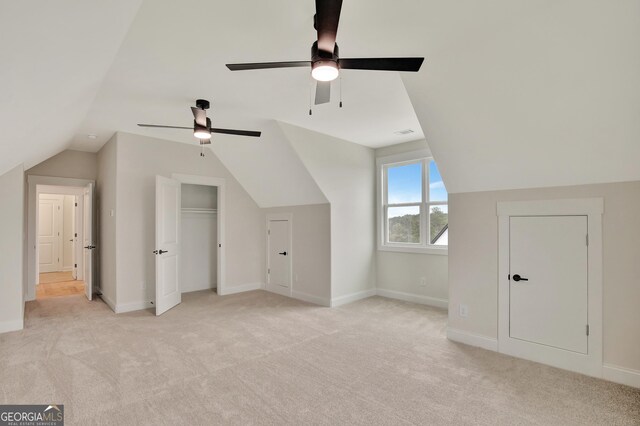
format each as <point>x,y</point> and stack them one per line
<point>92,136</point>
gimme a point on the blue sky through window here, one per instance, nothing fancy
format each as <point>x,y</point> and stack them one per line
<point>405,184</point>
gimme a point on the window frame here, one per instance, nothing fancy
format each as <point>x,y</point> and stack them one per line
<point>423,157</point>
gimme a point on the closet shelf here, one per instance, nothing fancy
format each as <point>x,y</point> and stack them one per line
<point>194,210</point>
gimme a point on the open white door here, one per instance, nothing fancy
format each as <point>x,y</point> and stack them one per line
<point>168,210</point>
<point>87,235</point>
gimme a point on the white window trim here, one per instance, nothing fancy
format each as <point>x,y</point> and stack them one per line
<point>381,193</point>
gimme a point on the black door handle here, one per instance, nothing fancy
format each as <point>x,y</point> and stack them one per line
<point>284,253</point>
<point>90,247</point>
<point>160,251</point>
<point>517,278</point>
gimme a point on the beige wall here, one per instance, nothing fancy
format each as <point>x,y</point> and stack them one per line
<point>106,201</point>
<point>11,244</point>
<point>311,280</point>
<point>473,262</point>
<point>68,164</point>
<point>345,172</point>
<point>139,160</point>
<point>403,272</point>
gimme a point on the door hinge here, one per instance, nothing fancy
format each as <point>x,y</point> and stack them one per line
<point>269,271</point>
<point>76,204</point>
<point>75,265</point>
<point>76,235</point>
<point>268,231</point>
<point>587,329</point>
<point>587,240</point>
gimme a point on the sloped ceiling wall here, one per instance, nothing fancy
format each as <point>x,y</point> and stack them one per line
<point>269,169</point>
<point>548,95</point>
<point>55,55</point>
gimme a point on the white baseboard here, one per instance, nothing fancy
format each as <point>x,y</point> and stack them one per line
<point>108,301</point>
<point>415,298</point>
<point>349,298</point>
<point>7,326</point>
<point>306,297</point>
<point>484,342</point>
<point>625,376</point>
<point>133,306</point>
<point>241,288</point>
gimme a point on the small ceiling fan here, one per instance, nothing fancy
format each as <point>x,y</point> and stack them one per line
<point>202,125</point>
<point>325,59</point>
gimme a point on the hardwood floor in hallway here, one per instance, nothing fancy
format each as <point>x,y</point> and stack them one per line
<point>57,284</point>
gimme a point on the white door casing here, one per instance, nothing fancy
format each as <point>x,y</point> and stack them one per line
<point>168,239</point>
<point>548,297</point>
<point>49,234</point>
<point>539,329</point>
<point>279,254</point>
<point>89,246</point>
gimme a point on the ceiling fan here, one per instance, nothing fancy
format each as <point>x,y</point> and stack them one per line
<point>325,59</point>
<point>202,129</point>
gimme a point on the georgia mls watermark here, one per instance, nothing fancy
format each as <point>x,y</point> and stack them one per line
<point>31,415</point>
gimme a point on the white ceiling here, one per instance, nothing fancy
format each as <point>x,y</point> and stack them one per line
<point>55,55</point>
<point>176,52</point>
<point>513,93</point>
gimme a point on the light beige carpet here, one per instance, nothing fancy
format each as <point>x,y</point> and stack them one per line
<point>259,358</point>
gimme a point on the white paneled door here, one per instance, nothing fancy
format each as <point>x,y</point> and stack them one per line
<point>88,245</point>
<point>548,285</point>
<point>168,241</point>
<point>49,235</point>
<point>279,256</point>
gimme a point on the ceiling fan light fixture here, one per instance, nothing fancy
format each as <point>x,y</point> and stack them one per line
<point>201,132</point>
<point>325,70</point>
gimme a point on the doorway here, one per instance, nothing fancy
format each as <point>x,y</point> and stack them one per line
<point>279,253</point>
<point>60,249</point>
<point>550,282</point>
<point>57,248</point>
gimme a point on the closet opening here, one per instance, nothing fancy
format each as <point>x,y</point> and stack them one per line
<point>199,252</point>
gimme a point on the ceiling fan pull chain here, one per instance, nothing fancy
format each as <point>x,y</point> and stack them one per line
<point>311,96</point>
<point>340,90</point>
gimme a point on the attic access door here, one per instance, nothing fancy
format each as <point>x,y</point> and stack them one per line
<point>550,282</point>
<point>168,240</point>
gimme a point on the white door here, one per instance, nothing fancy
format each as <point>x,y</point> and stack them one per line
<point>279,256</point>
<point>548,281</point>
<point>88,243</point>
<point>168,239</point>
<point>49,235</point>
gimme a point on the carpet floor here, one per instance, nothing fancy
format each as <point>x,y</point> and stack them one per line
<point>259,358</point>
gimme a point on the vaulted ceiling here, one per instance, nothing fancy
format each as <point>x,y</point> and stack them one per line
<point>513,93</point>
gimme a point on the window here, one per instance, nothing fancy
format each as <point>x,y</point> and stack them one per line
<point>414,209</point>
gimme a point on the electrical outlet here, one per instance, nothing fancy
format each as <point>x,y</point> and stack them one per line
<point>423,281</point>
<point>464,310</point>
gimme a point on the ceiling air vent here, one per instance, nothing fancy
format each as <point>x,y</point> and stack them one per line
<point>403,132</point>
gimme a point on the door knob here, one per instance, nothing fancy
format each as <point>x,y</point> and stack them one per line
<point>517,278</point>
<point>90,247</point>
<point>162,251</point>
<point>284,253</point>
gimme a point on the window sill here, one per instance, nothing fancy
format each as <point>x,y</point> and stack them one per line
<point>422,250</point>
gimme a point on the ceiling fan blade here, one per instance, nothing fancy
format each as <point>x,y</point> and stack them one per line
<point>164,127</point>
<point>267,65</point>
<point>326,23</point>
<point>382,64</point>
<point>237,132</point>
<point>323,92</point>
<point>200,116</point>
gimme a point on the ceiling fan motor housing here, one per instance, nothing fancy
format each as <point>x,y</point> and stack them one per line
<point>319,56</point>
